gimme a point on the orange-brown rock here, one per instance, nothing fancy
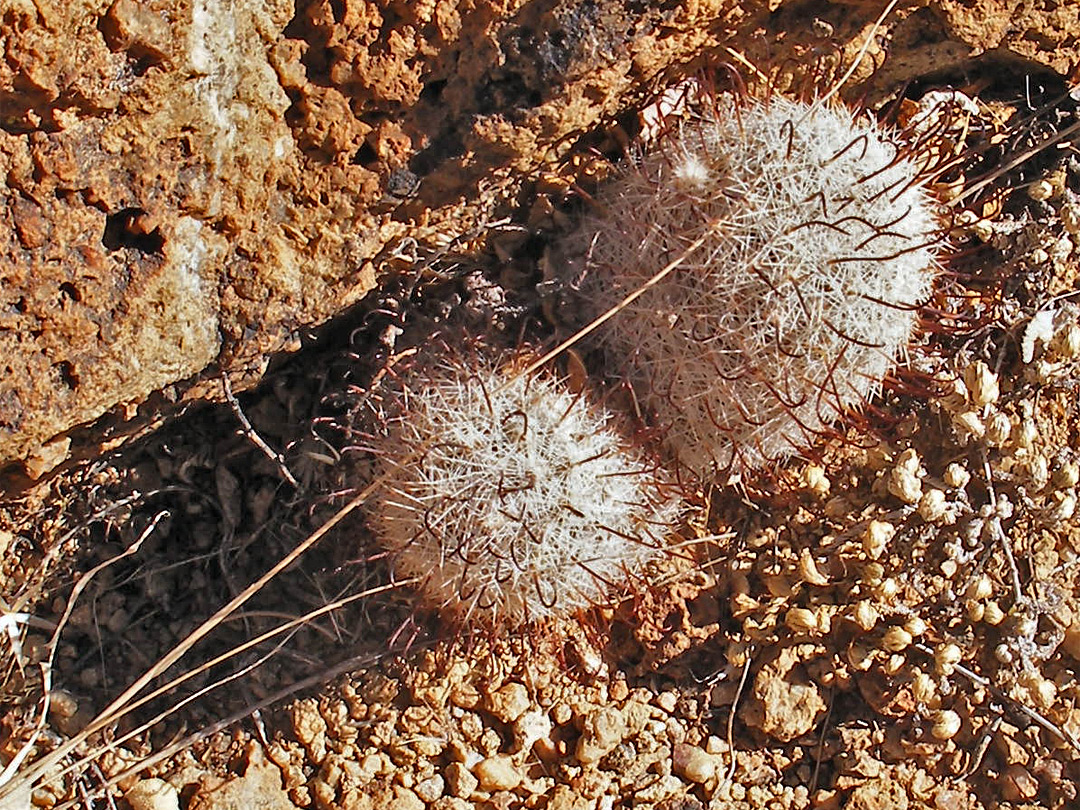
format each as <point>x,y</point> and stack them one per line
<point>185,184</point>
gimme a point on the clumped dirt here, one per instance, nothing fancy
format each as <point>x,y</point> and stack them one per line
<point>893,623</point>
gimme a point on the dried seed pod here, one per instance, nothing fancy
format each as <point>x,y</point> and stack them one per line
<point>865,615</point>
<point>923,688</point>
<point>896,639</point>
<point>915,626</point>
<point>1036,468</point>
<point>1026,435</point>
<point>957,398</point>
<point>993,615</point>
<point>946,657</point>
<point>1066,476</point>
<point>808,570</point>
<point>933,506</point>
<point>1040,190</point>
<point>815,480</point>
<point>1061,508</point>
<point>1066,341</point>
<point>887,589</point>
<point>956,476</point>
<point>975,610</point>
<point>905,481</point>
<point>998,429</point>
<point>945,724</point>
<point>982,587</point>
<point>894,664</point>
<point>860,656</point>
<point>982,384</point>
<point>876,538</point>
<point>801,620</point>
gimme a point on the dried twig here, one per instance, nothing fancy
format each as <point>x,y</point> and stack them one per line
<point>1027,711</point>
<point>293,624</point>
<point>179,745</point>
<point>12,767</point>
<point>999,534</point>
<point>1023,157</point>
<point>731,717</point>
<point>254,436</point>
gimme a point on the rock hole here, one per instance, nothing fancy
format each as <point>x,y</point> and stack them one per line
<point>127,229</point>
<point>67,374</point>
<point>366,156</point>
<point>68,292</point>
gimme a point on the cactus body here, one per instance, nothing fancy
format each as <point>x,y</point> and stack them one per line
<point>818,250</point>
<point>510,498</point>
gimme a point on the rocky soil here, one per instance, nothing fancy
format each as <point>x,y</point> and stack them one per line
<point>891,623</point>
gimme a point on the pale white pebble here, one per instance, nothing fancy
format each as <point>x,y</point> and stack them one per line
<point>430,789</point>
<point>659,789</point>
<point>497,773</point>
<point>690,762</point>
<point>531,727</point>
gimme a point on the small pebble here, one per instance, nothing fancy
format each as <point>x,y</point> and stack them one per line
<point>460,780</point>
<point>602,731</point>
<point>497,773</point>
<point>659,789</point>
<point>431,789</point>
<point>404,799</point>
<point>509,702</point>
<point>690,762</point>
<point>530,728</point>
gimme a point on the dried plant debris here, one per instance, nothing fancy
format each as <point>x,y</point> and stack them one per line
<point>894,624</point>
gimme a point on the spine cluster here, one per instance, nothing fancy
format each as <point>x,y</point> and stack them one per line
<point>818,248</point>
<point>510,498</point>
